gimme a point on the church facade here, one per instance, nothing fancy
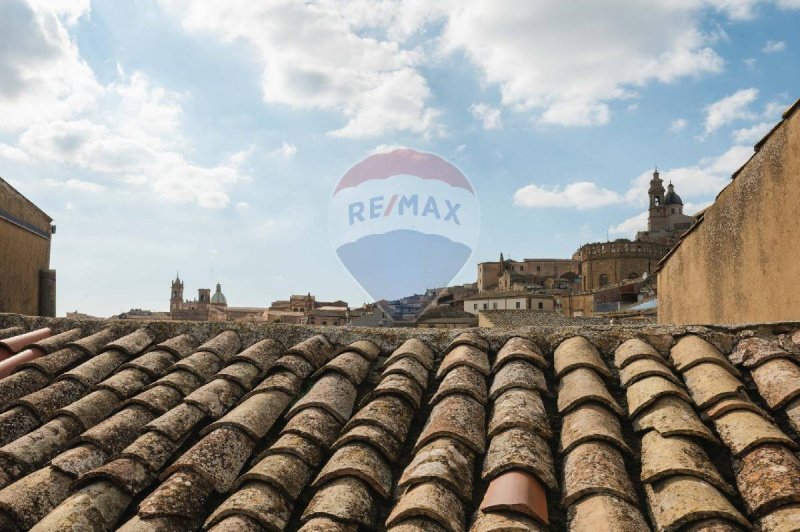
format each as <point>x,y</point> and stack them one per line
<point>207,306</point>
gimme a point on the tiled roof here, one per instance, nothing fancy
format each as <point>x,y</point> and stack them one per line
<point>511,319</point>
<point>177,426</point>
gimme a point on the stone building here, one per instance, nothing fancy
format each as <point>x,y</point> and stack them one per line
<point>740,262</point>
<point>609,263</point>
<point>209,307</point>
<point>27,284</point>
<point>665,220</point>
<point>508,300</point>
<point>511,272</point>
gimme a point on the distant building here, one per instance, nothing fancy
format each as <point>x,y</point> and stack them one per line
<point>305,309</point>
<point>605,264</point>
<point>208,306</point>
<point>27,284</point>
<point>508,300</point>
<point>665,221</point>
<point>740,262</point>
<point>522,272</point>
<point>445,317</point>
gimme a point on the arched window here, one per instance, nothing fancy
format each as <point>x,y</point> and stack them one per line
<point>603,280</point>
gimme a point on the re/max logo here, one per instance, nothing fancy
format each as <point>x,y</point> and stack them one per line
<point>405,204</point>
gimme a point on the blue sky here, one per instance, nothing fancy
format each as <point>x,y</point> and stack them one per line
<point>207,137</point>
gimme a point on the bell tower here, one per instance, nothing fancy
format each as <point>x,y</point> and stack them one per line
<point>176,299</point>
<point>657,217</point>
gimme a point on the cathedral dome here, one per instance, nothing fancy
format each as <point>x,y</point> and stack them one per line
<point>671,197</point>
<point>219,297</point>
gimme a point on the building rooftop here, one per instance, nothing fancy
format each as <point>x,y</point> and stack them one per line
<point>244,426</point>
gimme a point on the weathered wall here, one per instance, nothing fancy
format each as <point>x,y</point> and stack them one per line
<point>23,253</point>
<point>742,262</point>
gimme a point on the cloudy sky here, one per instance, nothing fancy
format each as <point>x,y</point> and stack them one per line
<point>207,137</point>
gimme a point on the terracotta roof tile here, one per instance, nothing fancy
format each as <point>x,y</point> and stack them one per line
<point>464,354</point>
<point>596,467</point>
<point>692,350</point>
<point>635,349</point>
<point>445,461</point>
<point>518,374</point>
<point>517,348</point>
<point>605,513</point>
<point>663,457</point>
<point>578,352</point>
<point>519,407</point>
<point>679,500</point>
<point>87,432</point>
<point>582,385</point>
<point>588,422</point>
<point>645,392</point>
<point>360,461</point>
<point>346,499</point>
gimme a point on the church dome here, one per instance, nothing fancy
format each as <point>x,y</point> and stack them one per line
<point>219,297</point>
<point>671,197</point>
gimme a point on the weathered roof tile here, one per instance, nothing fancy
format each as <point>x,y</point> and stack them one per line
<point>286,472</point>
<point>360,461</point>
<point>588,422</point>
<point>520,449</point>
<point>518,374</point>
<point>413,348</point>
<point>578,352</point>
<point>333,393</point>
<point>257,500</point>
<point>679,500</point>
<point>218,457</point>
<point>518,348</point>
<point>672,416</point>
<point>595,467</point>
<point>464,355</point>
<point>742,430</point>
<point>778,381</point>
<point>346,499</point>
<point>605,513</point>
<point>431,500</point>
<point>582,385</point>
<point>645,392</point>
<point>708,383</point>
<point>692,350</point>
<point>465,380</point>
<point>768,477</point>
<point>459,417</point>
<point>520,408</point>
<point>643,368</point>
<point>663,457</point>
<point>635,349</point>
<point>444,460</point>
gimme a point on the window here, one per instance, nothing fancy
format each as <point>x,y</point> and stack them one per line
<point>633,275</point>
<point>494,306</point>
<point>603,280</point>
<point>538,268</point>
<point>475,306</point>
<point>484,306</point>
<point>324,322</point>
<point>673,211</point>
<point>517,304</point>
<point>541,305</point>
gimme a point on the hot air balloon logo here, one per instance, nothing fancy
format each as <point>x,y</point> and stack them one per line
<point>403,222</point>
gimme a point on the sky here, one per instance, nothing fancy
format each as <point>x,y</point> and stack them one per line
<point>208,137</point>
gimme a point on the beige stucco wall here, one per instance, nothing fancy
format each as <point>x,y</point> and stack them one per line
<point>23,254</point>
<point>742,263</point>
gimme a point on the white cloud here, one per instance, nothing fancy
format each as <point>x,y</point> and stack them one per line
<point>287,151</point>
<point>313,57</point>
<point>752,134</point>
<point>677,125</point>
<point>124,133</point>
<point>490,116</point>
<point>772,47</point>
<point>629,227</point>
<point>699,182</point>
<point>553,58</point>
<point>736,9</point>
<point>730,109</point>
<point>581,195</point>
